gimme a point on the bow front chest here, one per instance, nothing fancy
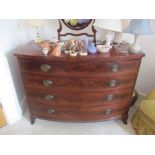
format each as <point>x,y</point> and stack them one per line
<point>83,88</point>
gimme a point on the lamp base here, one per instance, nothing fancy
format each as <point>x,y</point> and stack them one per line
<point>135,48</point>
<point>38,40</point>
<point>109,37</point>
<point>117,38</point>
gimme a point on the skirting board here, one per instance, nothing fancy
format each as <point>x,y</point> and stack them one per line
<point>23,105</point>
<point>141,94</point>
<point>140,98</point>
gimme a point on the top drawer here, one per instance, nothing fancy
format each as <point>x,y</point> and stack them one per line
<point>79,69</point>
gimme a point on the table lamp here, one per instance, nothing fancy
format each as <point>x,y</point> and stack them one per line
<point>36,23</point>
<point>118,35</point>
<point>110,25</point>
<point>138,27</point>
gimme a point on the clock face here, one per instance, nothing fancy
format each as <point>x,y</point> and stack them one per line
<point>76,24</point>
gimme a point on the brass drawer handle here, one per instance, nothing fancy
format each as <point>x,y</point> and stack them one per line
<point>51,111</point>
<point>113,83</point>
<point>45,68</point>
<point>47,83</point>
<point>49,97</point>
<point>115,68</point>
<point>110,97</point>
<point>108,111</point>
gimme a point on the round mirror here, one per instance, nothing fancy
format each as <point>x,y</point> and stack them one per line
<point>76,24</point>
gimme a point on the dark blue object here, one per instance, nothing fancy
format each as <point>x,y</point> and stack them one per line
<point>83,21</point>
<point>80,21</point>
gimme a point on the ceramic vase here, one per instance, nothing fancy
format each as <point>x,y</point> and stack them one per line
<point>92,48</point>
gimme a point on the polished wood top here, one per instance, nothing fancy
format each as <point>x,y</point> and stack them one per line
<point>34,51</point>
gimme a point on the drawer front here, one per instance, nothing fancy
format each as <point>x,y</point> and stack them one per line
<point>53,112</point>
<point>78,69</point>
<point>97,113</point>
<point>77,113</point>
<point>77,84</point>
<point>82,99</point>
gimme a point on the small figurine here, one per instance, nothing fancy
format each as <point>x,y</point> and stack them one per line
<point>75,47</point>
<point>46,47</point>
<point>73,54</point>
<point>73,42</point>
<point>67,45</point>
<point>83,53</point>
<point>56,50</point>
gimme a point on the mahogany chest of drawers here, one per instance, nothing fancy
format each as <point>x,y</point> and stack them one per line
<point>90,88</point>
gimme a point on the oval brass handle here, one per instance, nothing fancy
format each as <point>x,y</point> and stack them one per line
<point>51,111</point>
<point>108,111</point>
<point>47,83</point>
<point>115,68</point>
<point>49,97</point>
<point>45,67</point>
<point>110,97</point>
<point>113,83</point>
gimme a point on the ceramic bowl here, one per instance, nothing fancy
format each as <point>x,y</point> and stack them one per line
<point>100,48</point>
<point>103,48</point>
<point>106,48</point>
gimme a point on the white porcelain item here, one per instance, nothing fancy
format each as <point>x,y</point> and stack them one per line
<point>106,48</point>
<point>83,53</point>
<point>67,51</point>
<point>45,51</point>
<point>103,48</point>
<point>135,47</point>
<point>73,54</point>
<point>99,48</point>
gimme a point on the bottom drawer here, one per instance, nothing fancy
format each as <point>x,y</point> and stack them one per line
<point>53,112</point>
<point>98,113</point>
<point>95,113</point>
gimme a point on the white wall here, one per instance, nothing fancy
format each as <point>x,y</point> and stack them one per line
<point>10,82</point>
<point>15,32</point>
<point>146,78</point>
<point>47,31</point>
<point>146,75</point>
<point>8,94</point>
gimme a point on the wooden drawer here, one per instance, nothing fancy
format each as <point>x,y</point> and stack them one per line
<point>104,112</point>
<point>79,69</point>
<point>53,112</point>
<point>77,84</point>
<point>77,113</point>
<point>82,99</point>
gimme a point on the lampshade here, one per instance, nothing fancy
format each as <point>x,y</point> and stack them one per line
<point>125,23</point>
<point>139,26</point>
<point>109,24</point>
